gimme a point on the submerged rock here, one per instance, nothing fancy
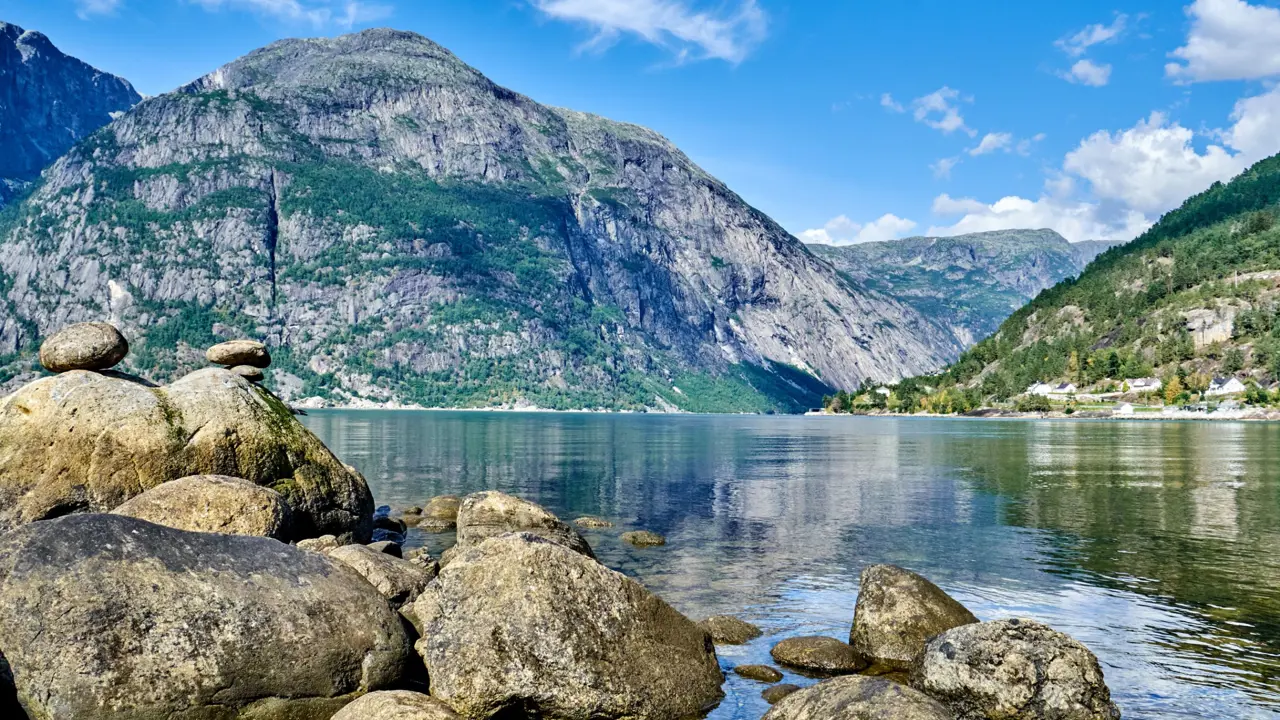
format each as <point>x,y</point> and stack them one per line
<point>88,442</point>
<point>592,522</point>
<point>858,698</point>
<point>215,504</point>
<point>399,581</point>
<point>644,538</point>
<point>897,611</point>
<point>1013,670</point>
<point>817,655</point>
<point>83,346</point>
<point>396,705</point>
<point>524,626</point>
<point>775,693</point>
<point>489,514</point>
<point>763,673</point>
<point>105,616</point>
<point>729,630</point>
<point>239,352</point>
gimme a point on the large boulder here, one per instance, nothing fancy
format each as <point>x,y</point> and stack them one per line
<point>399,581</point>
<point>1013,670</point>
<point>897,612</point>
<point>488,514</point>
<point>87,442</point>
<point>214,503</point>
<point>83,346</point>
<point>105,617</point>
<point>524,626</point>
<point>396,705</point>
<point>729,630</point>
<point>239,352</point>
<point>858,698</point>
<point>440,514</point>
<point>818,656</point>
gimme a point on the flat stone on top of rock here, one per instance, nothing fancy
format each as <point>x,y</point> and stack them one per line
<point>249,372</point>
<point>396,705</point>
<point>897,612</point>
<point>818,655</point>
<point>106,616</point>
<point>239,352</point>
<point>729,630</point>
<point>214,504</point>
<point>521,626</point>
<point>762,673</point>
<point>644,538</point>
<point>858,698</point>
<point>489,514</point>
<point>83,346</point>
<point>1013,670</point>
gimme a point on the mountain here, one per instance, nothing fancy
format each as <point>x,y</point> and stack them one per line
<point>968,283</point>
<point>48,101</point>
<point>1087,250</point>
<point>402,230</point>
<point>1196,296</point>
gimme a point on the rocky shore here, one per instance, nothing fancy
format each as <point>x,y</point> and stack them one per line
<point>192,551</point>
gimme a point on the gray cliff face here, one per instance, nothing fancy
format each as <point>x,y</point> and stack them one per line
<point>969,283</point>
<point>400,229</point>
<point>48,101</point>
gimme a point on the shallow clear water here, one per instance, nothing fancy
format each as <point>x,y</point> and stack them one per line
<point>1157,544</point>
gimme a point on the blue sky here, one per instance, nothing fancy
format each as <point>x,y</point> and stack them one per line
<point>845,120</point>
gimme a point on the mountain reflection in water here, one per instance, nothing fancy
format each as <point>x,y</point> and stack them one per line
<point>1157,544</point>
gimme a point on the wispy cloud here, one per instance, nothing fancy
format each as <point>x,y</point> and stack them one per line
<point>1087,72</point>
<point>317,13</point>
<point>86,9</point>
<point>940,110</point>
<point>942,169</point>
<point>887,102</point>
<point>1079,43</point>
<point>991,142</point>
<point>689,32</point>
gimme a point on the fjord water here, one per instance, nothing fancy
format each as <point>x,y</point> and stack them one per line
<point>1157,544</point>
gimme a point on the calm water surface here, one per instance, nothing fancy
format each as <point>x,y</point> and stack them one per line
<point>1156,544</point>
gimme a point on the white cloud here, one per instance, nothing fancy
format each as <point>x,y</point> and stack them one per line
<point>86,9</point>
<point>1079,43</point>
<point>942,169</point>
<point>1074,220</point>
<point>992,142</point>
<point>940,110</point>
<point>1087,72</point>
<point>843,231</point>
<point>691,33</point>
<point>317,13</point>
<point>887,101</point>
<point>1025,144</point>
<point>1229,40</point>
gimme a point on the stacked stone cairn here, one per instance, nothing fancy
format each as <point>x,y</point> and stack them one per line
<point>192,551</point>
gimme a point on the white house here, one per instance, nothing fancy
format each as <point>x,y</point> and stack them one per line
<point>1124,409</point>
<point>1040,389</point>
<point>884,391</point>
<point>1141,385</point>
<point>1224,386</point>
<point>1063,389</point>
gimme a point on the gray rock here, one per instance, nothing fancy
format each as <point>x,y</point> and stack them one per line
<point>818,656</point>
<point>386,547</point>
<point>216,504</point>
<point>105,616</point>
<point>521,624</point>
<point>249,372</point>
<point>897,612</point>
<point>435,525</point>
<point>592,522</point>
<point>858,698</point>
<point>322,544</point>
<point>399,581</point>
<point>775,693</point>
<point>239,352</point>
<point>88,442</point>
<point>1013,670</point>
<point>729,630</point>
<point>489,514</point>
<point>396,705</point>
<point>644,538</point>
<point>83,346</point>
<point>762,673</point>
<point>442,507</point>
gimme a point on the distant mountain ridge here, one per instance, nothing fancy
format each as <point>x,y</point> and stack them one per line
<point>969,283</point>
<point>48,102</point>
<point>402,230</point>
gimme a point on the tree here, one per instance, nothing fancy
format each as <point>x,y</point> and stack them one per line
<point>1232,361</point>
<point>1172,390</point>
